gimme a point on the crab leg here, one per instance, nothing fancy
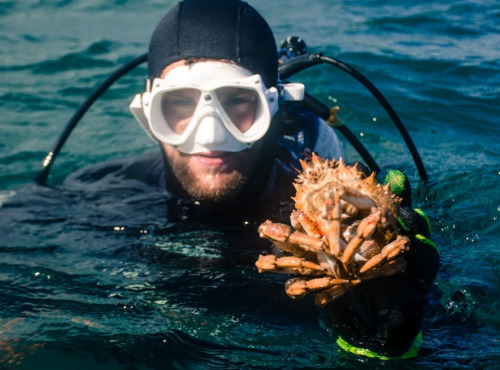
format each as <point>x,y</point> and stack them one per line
<point>388,253</point>
<point>283,237</point>
<point>334,213</point>
<point>297,287</point>
<point>287,265</point>
<point>356,198</point>
<point>365,229</point>
<point>300,220</point>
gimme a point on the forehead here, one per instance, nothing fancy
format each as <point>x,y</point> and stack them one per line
<point>173,66</point>
<point>207,71</point>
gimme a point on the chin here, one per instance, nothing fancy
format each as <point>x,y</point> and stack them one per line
<point>217,188</point>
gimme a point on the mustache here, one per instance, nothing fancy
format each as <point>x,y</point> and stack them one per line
<point>237,174</point>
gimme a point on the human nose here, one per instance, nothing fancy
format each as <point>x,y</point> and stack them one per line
<point>210,131</point>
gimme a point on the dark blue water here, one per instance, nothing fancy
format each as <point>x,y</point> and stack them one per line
<point>94,276</point>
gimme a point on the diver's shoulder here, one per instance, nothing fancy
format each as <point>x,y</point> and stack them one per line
<point>327,143</point>
<point>146,168</point>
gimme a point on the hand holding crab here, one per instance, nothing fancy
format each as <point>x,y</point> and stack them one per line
<point>345,231</point>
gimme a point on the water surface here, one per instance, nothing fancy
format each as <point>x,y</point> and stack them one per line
<point>95,276</point>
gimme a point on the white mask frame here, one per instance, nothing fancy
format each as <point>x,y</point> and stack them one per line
<point>147,108</point>
<point>209,105</point>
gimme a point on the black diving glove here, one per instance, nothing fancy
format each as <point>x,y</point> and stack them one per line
<point>416,226</point>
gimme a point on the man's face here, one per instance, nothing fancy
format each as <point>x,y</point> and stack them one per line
<point>212,175</point>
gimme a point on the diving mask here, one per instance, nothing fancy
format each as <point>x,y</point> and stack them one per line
<point>207,106</point>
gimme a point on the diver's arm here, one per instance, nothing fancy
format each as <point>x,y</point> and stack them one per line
<point>383,317</point>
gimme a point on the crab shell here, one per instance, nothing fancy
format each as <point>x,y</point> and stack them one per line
<point>346,232</point>
<point>320,178</point>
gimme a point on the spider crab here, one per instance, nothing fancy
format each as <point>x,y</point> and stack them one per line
<point>343,231</point>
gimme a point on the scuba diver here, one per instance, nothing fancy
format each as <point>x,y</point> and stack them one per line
<point>213,100</point>
<point>231,131</point>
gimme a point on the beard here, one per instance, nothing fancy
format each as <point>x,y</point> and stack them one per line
<point>210,184</point>
<point>235,180</point>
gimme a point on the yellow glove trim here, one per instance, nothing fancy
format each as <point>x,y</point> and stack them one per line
<point>427,241</point>
<point>402,224</point>
<point>412,352</point>
<point>422,213</point>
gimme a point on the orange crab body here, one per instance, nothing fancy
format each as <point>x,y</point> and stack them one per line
<point>343,230</point>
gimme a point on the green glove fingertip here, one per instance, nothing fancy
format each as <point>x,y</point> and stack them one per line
<point>399,185</point>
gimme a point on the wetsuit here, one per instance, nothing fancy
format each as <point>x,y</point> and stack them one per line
<point>383,315</point>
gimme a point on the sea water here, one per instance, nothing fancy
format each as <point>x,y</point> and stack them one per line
<point>97,277</point>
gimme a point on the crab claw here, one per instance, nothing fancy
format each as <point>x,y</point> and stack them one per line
<point>390,268</point>
<point>293,242</point>
<point>325,297</point>
<point>276,232</point>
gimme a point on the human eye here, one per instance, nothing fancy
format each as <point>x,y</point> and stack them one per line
<point>178,107</point>
<point>237,99</point>
<point>182,99</point>
<point>240,100</point>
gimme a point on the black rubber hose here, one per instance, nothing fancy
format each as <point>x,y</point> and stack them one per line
<point>47,163</point>
<point>388,108</point>
<point>297,64</point>
<point>302,62</point>
<point>321,110</point>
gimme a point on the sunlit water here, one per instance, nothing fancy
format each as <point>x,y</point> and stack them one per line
<point>95,276</point>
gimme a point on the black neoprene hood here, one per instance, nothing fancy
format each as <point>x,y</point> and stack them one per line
<point>214,29</point>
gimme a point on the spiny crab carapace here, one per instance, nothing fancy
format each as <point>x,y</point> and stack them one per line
<point>343,231</point>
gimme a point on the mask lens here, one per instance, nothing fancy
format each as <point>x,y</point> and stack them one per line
<point>240,105</point>
<point>178,107</point>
